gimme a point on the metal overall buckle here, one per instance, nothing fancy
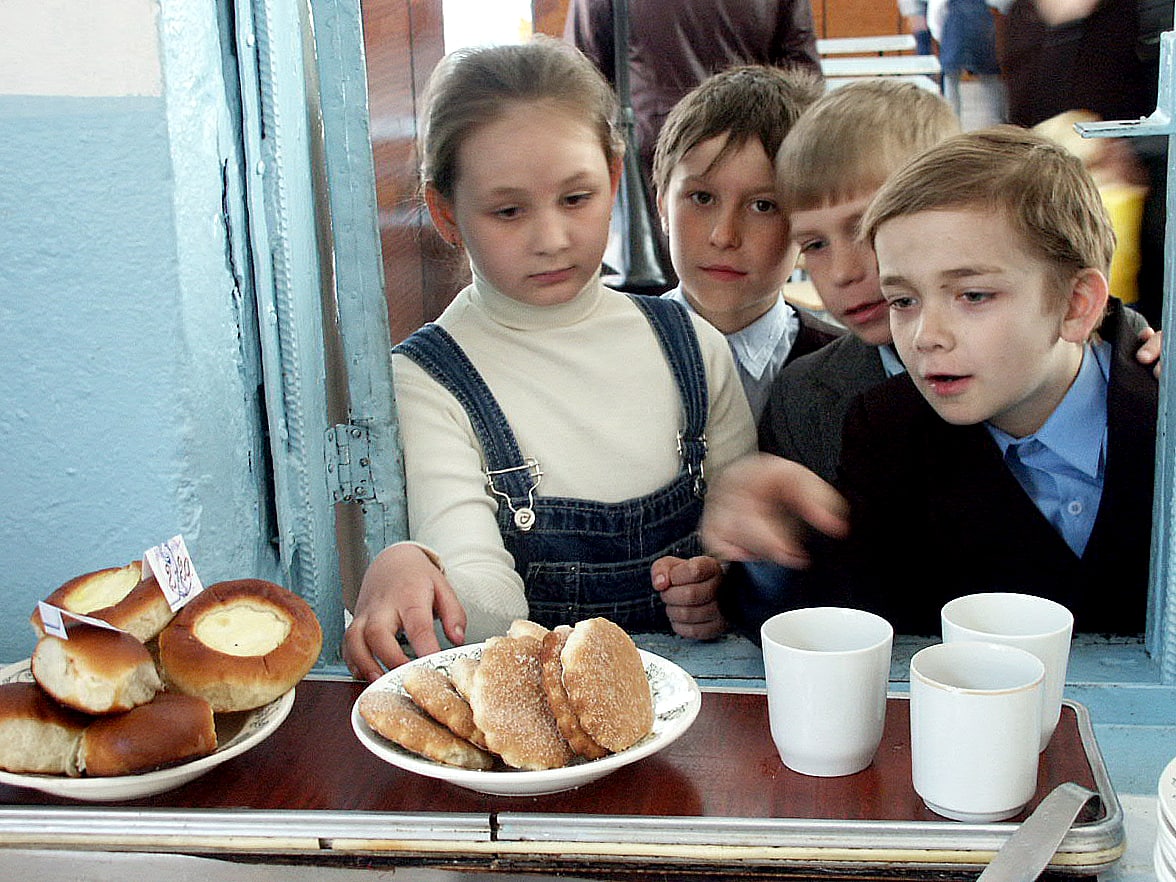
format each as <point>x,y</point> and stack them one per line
<point>524,518</point>
<point>699,473</point>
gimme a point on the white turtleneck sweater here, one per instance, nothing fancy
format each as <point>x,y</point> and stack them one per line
<point>587,392</point>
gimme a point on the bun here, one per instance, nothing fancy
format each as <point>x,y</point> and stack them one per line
<point>435,694</point>
<point>37,735</point>
<point>510,706</point>
<point>118,595</point>
<point>240,644</point>
<point>96,670</point>
<point>606,684</point>
<point>168,730</point>
<point>557,696</point>
<point>396,718</point>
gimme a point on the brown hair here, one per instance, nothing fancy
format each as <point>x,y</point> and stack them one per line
<point>855,137</point>
<point>745,102</point>
<point>472,87</point>
<point>1045,192</point>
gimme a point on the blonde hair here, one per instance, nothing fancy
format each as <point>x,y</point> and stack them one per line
<point>744,102</point>
<point>855,137</point>
<point>472,87</point>
<point>1045,192</point>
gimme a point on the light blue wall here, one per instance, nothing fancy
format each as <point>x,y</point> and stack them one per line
<point>129,409</point>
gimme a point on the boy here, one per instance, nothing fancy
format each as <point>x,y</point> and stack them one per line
<point>1018,452</point>
<point>716,195</point>
<point>830,165</point>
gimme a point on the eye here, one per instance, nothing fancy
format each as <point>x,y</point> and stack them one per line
<point>808,246</point>
<point>701,197</point>
<point>573,200</point>
<point>764,206</point>
<point>507,212</point>
<point>976,296</point>
<point>900,302</point>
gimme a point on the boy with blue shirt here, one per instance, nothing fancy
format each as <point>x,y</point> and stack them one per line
<point>714,172</point>
<point>1017,451</point>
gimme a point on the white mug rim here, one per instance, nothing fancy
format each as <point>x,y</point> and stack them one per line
<point>1000,648</point>
<point>861,615</point>
<point>1065,618</point>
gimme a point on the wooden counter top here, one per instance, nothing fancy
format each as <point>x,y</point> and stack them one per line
<point>717,797</point>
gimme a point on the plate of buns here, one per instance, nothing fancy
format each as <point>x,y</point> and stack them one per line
<point>532,712</point>
<point>123,697</point>
<point>234,734</point>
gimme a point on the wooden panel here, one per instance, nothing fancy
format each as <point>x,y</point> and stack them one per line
<point>856,18</point>
<point>549,16</point>
<point>404,41</point>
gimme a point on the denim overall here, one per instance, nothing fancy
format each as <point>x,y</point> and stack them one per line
<point>580,558</point>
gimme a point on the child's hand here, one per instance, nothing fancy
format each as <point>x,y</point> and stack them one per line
<point>762,506</point>
<point>1149,351</point>
<point>402,591</point>
<point>689,589</point>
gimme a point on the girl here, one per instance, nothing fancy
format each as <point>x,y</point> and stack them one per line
<point>544,482</point>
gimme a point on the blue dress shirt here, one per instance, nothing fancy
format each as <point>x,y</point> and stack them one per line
<point>1061,465</point>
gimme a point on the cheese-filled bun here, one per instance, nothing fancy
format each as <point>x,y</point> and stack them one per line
<point>118,595</point>
<point>37,735</point>
<point>168,730</point>
<point>240,644</point>
<point>96,670</point>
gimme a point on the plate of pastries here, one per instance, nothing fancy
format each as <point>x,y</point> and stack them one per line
<point>532,712</point>
<point>161,698</point>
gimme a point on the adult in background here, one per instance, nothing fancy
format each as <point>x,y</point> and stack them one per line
<point>1100,56</point>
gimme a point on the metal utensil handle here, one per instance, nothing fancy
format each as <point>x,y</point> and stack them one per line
<point>1027,852</point>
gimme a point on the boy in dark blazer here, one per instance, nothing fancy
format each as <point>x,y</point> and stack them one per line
<point>1017,453</point>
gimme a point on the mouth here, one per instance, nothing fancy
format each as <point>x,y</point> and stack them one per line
<point>866,313</point>
<point>947,384</point>
<point>553,277</point>
<point>723,272</point>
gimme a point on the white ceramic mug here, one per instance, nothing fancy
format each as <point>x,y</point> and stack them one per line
<point>975,725</point>
<point>1044,627</point>
<point>827,671</point>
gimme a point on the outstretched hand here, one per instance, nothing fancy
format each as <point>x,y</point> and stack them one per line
<point>763,506</point>
<point>689,589</point>
<point>402,591</point>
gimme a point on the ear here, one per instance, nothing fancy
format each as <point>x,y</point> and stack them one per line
<point>443,216</point>
<point>1088,302</point>
<point>662,217</point>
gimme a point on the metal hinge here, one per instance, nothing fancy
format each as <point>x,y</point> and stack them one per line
<point>349,464</point>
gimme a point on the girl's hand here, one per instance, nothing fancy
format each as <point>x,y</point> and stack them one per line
<point>402,591</point>
<point>689,589</point>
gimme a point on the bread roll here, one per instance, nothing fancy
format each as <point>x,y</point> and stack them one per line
<point>168,730</point>
<point>118,595</point>
<point>606,684</point>
<point>37,735</point>
<point>240,644</point>
<point>510,706</point>
<point>96,670</point>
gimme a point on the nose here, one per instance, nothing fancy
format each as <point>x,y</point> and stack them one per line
<point>933,329</point>
<point>725,231</point>
<point>851,263</point>
<point>551,233</point>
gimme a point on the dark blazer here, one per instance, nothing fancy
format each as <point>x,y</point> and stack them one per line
<point>809,399</point>
<point>935,513</point>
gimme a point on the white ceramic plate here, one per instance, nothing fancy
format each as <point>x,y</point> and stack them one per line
<point>254,727</point>
<point>1168,793</point>
<point>676,702</point>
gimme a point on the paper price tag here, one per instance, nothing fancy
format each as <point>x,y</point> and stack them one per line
<point>174,571</point>
<point>53,620</point>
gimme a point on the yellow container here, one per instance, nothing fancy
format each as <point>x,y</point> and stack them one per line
<point>1124,204</point>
